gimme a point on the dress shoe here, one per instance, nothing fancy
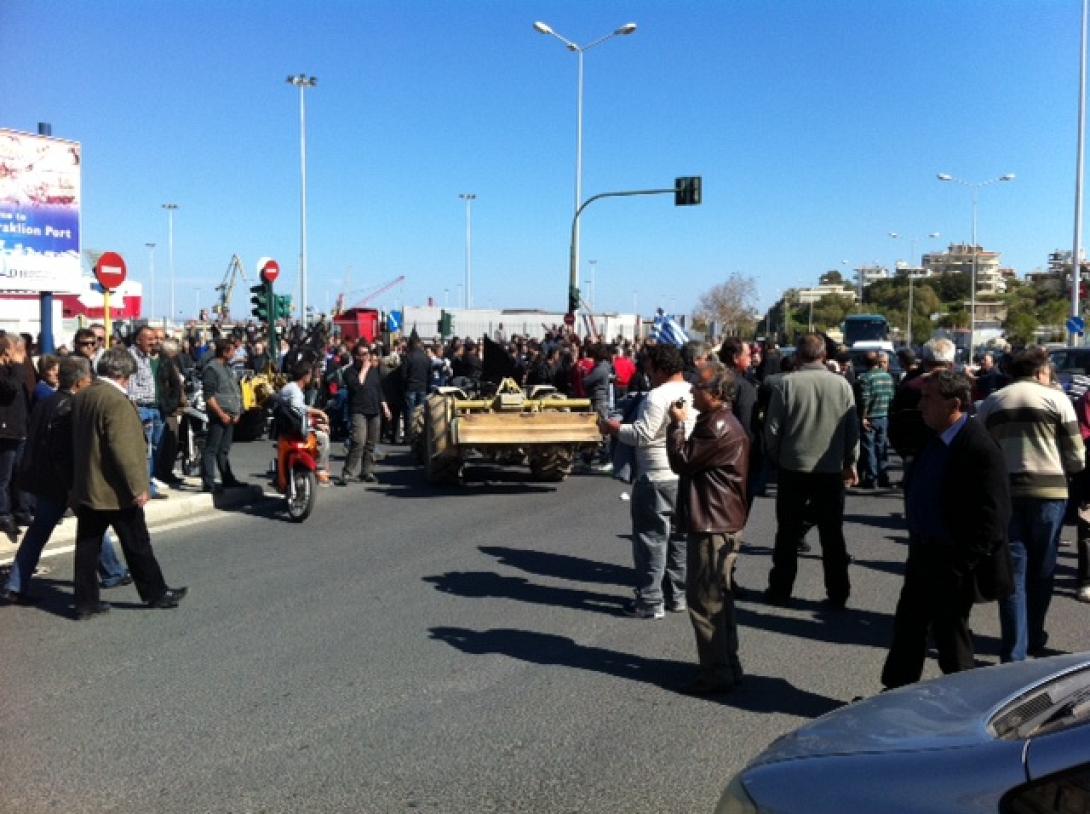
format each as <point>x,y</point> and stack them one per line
<point>834,603</point>
<point>87,611</point>
<point>777,598</point>
<point>340,482</point>
<point>16,597</point>
<point>169,598</point>
<point>23,519</point>
<point>369,478</point>
<point>235,484</point>
<point>7,527</point>
<point>804,547</point>
<point>159,496</point>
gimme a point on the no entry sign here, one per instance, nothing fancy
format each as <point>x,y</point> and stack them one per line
<point>110,270</point>
<point>270,270</point>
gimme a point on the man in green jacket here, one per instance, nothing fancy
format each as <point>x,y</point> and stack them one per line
<point>110,486</point>
<point>812,436</point>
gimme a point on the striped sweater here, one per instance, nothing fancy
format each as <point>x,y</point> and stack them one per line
<point>1036,428</point>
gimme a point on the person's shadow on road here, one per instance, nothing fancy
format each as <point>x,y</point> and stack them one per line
<point>756,693</point>
<point>486,584</point>
<point>562,566</point>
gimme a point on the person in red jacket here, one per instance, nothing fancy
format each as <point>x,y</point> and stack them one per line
<point>624,368</point>
<point>712,509</point>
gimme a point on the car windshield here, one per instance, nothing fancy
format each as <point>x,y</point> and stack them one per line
<point>1070,361</point>
<point>1056,705</point>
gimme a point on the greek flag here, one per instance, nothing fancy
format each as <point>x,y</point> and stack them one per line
<point>666,331</point>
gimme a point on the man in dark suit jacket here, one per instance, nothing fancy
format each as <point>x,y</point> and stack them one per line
<point>955,557</point>
<point>110,486</point>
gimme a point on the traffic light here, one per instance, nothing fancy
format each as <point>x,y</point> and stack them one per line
<point>687,191</point>
<point>282,306</point>
<point>446,324</point>
<point>261,301</point>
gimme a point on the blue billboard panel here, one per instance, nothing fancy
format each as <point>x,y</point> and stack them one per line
<point>39,213</point>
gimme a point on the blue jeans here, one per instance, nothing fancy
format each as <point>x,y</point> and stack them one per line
<point>659,557</point>
<point>412,399</point>
<point>875,443</point>
<point>47,515</point>
<point>153,434</point>
<point>1034,538</point>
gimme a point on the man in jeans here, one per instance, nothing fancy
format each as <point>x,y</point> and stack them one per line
<point>1038,432</point>
<point>875,395</point>
<point>144,392</point>
<point>659,557</point>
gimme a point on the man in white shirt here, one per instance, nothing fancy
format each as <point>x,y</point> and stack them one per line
<point>659,558</point>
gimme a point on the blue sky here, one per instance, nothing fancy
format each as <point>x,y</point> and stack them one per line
<point>818,127</point>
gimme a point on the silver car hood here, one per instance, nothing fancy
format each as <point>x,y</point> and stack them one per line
<point>945,713</point>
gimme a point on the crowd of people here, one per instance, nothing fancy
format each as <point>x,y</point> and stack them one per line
<point>699,430</point>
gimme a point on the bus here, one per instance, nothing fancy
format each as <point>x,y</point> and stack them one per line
<point>869,331</point>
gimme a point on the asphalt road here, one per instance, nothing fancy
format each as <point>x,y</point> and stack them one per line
<point>409,649</point>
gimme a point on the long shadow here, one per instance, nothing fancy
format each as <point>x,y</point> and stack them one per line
<point>885,566</point>
<point>895,522</point>
<point>486,584</point>
<point>850,626</point>
<point>756,694</point>
<point>562,566</point>
<point>410,482</point>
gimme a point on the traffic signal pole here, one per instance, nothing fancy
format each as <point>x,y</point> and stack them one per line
<point>686,192</point>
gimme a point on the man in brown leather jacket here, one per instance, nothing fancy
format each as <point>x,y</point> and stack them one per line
<point>712,508</point>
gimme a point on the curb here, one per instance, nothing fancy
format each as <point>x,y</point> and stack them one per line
<point>189,505</point>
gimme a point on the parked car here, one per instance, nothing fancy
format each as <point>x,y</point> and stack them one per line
<point>1012,739</point>
<point>1072,369</point>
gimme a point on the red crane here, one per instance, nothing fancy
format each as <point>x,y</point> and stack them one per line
<point>382,289</point>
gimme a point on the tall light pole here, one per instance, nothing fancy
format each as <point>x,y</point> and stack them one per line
<point>975,187</point>
<point>469,198</point>
<point>579,50</point>
<point>171,208</point>
<point>302,81</point>
<point>1076,250</point>
<point>151,266</point>
<point>911,260</point>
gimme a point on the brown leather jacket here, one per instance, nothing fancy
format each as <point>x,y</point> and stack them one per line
<point>713,465</point>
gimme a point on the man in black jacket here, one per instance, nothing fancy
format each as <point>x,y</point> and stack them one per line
<point>415,376</point>
<point>171,397</point>
<point>955,557</point>
<point>366,406</point>
<point>14,410</point>
<point>737,356</point>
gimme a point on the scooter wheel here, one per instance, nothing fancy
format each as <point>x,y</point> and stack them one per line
<point>305,484</point>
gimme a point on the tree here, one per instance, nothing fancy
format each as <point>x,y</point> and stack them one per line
<point>831,277</point>
<point>731,303</point>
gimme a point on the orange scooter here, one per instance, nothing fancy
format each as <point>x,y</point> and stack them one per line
<point>296,475</point>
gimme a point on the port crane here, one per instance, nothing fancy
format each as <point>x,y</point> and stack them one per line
<point>226,289</point>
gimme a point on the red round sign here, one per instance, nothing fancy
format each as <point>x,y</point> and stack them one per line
<point>569,318</point>
<point>110,270</point>
<point>270,271</point>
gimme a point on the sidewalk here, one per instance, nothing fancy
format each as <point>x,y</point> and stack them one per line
<point>183,504</point>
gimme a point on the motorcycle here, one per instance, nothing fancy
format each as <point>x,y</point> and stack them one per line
<point>193,426</point>
<point>295,472</point>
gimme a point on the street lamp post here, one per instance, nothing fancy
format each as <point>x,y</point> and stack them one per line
<point>469,198</point>
<point>911,259</point>
<point>302,81</point>
<point>151,266</point>
<point>171,208</point>
<point>975,187</point>
<point>579,50</point>
<point>1076,253</point>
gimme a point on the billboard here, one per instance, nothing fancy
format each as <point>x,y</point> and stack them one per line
<point>39,213</point>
